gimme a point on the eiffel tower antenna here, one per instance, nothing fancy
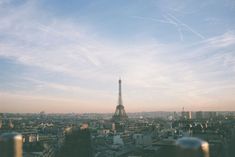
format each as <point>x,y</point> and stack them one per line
<point>120,92</point>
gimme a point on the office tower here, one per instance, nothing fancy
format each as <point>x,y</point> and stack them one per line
<point>199,115</point>
<point>186,115</point>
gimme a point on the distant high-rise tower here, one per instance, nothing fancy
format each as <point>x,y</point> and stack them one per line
<point>120,113</point>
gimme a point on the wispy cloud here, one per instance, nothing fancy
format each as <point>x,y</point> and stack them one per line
<point>153,72</point>
<point>224,40</point>
<point>154,19</point>
<point>172,20</point>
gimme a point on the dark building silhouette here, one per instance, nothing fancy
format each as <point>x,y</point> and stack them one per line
<point>11,145</point>
<point>77,144</point>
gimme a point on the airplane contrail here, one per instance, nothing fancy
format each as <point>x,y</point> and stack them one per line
<point>186,26</point>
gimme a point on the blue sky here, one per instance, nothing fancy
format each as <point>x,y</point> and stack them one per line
<point>67,56</point>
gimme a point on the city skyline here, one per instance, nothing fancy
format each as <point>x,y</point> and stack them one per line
<point>58,56</point>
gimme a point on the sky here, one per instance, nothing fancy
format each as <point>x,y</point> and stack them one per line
<point>67,56</point>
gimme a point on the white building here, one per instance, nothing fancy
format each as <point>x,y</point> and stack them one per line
<point>117,140</point>
<point>142,139</point>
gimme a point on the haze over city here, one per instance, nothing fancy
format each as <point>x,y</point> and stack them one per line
<point>57,56</point>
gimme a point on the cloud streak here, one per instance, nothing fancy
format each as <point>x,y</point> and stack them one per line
<point>154,72</point>
<point>180,23</point>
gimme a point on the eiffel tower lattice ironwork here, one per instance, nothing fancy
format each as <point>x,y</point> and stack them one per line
<point>120,113</point>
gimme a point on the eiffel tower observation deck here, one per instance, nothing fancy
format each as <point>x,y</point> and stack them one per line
<point>120,113</point>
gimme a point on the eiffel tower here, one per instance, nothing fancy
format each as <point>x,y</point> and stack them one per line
<point>120,113</point>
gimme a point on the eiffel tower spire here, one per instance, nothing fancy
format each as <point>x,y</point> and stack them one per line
<point>120,113</point>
